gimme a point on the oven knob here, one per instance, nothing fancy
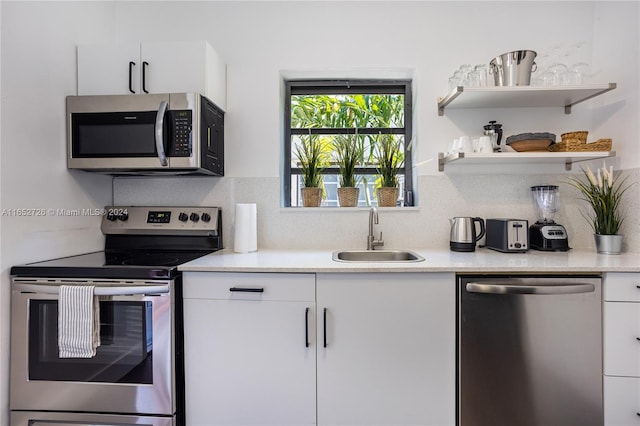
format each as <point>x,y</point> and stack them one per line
<point>206,217</point>
<point>194,217</point>
<point>123,216</point>
<point>111,216</point>
<point>182,217</point>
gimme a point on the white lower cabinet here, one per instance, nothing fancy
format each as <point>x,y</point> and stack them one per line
<point>386,349</point>
<point>255,358</point>
<point>246,356</point>
<point>621,324</point>
<point>621,401</point>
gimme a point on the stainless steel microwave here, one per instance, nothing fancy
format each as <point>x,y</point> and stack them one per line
<point>176,133</point>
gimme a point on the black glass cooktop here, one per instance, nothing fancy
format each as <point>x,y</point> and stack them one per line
<point>133,265</point>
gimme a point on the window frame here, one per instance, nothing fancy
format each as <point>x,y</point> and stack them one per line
<point>341,87</point>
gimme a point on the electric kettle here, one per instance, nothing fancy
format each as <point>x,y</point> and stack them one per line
<point>463,235</point>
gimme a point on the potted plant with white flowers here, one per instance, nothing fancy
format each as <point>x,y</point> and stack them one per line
<point>603,191</point>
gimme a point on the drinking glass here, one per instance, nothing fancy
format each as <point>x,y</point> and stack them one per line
<point>549,78</point>
<point>474,79</point>
<point>483,72</point>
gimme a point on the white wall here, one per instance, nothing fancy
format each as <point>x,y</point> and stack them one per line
<point>38,71</point>
<point>260,41</point>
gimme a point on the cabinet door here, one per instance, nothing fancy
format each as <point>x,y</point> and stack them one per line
<point>621,401</point>
<point>389,357</point>
<point>621,334</point>
<point>247,362</point>
<point>104,69</point>
<point>191,66</point>
<point>621,287</point>
<point>174,67</point>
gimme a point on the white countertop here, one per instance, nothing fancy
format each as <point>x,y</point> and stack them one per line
<point>482,260</point>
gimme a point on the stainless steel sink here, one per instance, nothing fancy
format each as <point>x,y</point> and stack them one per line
<point>376,256</point>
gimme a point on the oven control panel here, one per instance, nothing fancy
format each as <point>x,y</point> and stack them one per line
<point>192,220</point>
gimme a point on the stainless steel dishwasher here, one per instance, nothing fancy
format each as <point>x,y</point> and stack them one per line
<point>529,350</point>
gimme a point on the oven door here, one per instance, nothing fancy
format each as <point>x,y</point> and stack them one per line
<point>31,418</point>
<point>133,369</point>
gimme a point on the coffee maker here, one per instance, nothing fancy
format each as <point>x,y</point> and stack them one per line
<point>546,234</point>
<point>494,131</point>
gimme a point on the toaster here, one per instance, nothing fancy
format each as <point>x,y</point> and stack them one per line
<point>507,235</point>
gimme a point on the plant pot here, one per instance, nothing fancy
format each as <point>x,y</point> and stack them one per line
<point>348,196</point>
<point>387,196</point>
<point>608,244</point>
<point>311,197</point>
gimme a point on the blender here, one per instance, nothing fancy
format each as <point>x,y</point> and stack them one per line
<point>546,234</point>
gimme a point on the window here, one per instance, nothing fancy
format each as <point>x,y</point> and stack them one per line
<point>363,112</point>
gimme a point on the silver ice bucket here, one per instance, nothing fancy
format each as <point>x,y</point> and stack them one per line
<point>513,68</point>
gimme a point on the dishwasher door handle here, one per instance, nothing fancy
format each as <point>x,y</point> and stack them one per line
<point>491,288</point>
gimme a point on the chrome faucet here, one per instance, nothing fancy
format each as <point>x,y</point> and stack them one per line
<point>372,243</point>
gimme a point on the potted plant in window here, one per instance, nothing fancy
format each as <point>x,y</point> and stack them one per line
<point>313,158</point>
<point>603,191</point>
<point>348,154</point>
<point>389,158</point>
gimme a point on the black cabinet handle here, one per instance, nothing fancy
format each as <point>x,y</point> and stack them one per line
<point>638,414</point>
<point>144,76</point>
<point>131,65</point>
<point>306,327</point>
<point>637,338</point>
<point>324,326</point>
<point>247,289</point>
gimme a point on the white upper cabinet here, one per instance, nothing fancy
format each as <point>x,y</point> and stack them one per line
<point>166,67</point>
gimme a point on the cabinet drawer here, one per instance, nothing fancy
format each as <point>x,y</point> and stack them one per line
<point>621,401</point>
<point>621,344</point>
<point>249,286</point>
<point>624,287</point>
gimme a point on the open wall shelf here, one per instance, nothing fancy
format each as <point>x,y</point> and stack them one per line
<point>502,158</point>
<point>521,96</point>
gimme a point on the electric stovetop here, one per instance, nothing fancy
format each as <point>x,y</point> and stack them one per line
<point>102,264</point>
<point>140,243</point>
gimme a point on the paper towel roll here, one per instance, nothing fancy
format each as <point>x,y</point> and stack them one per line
<point>246,228</point>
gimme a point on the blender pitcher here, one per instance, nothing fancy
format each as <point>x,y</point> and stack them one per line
<point>546,201</point>
<point>546,234</point>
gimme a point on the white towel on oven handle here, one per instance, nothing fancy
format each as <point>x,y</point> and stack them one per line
<point>78,321</point>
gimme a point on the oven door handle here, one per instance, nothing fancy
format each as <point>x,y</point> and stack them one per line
<point>159,136</point>
<point>98,291</point>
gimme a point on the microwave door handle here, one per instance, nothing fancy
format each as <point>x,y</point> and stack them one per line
<point>159,136</point>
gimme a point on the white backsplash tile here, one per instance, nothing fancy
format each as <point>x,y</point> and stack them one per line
<point>426,226</point>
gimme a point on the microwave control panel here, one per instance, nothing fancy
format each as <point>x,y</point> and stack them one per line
<point>181,122</point>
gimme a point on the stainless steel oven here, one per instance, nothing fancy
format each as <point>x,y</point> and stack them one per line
<point>132,371</point>
<point>136,376</point>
